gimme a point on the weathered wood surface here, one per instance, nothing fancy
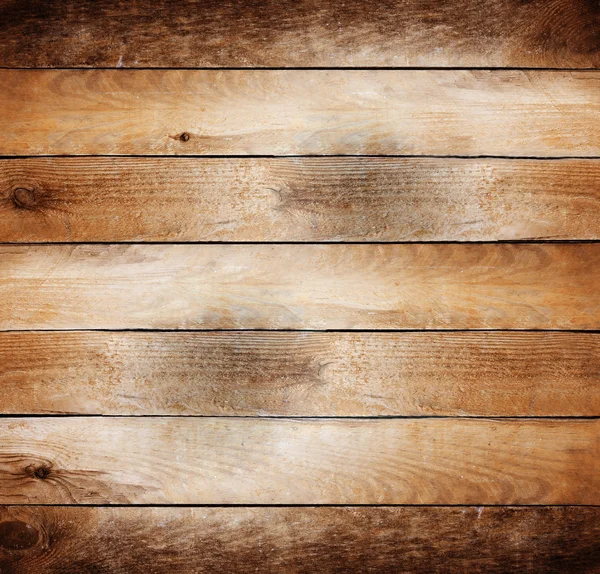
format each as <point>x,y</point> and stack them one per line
<point>297,199</point>
<point>301,374</point>
<point>232,443</point>
<point>270,33</point>
<point>425,286</point>
<point>300,540</point>
<point>183,460</point>
<point>288,112</point>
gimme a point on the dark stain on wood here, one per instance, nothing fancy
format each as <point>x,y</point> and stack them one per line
<point>17,535</point>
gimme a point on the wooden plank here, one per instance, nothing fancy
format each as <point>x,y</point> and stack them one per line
<point>299,540</point>
<point>425,286</point>
<point>319,112</point>
<point>297,199</point>
<point>198,460</point>
<point>234,33</point>
<point>301,374</point>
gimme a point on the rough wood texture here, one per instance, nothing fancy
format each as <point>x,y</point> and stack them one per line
<point>297,199</point>
<point>321,112</point>
<point>239,33</point>
<point>301,374</point>
<point>311,417</point>
<point>445,286</point>
<point>300,540</point>
<point>196,460</point>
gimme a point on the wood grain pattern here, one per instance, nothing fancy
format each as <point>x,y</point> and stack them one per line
<point>297,199</point>
<point>206,414</point>
<point>288,112</point>
<point>300,540</point>
<point>183,460</point>
<point>238,33</point>
<point>301,374</point>
<point>435,286</point>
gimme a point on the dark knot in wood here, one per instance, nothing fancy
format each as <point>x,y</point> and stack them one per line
<point>41,472</point>
<point>184,137</point>
<point>23,198</point>
<point>17,535</point>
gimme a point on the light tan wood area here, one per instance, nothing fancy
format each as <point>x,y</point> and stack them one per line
<point>305,33</point>
<point>435,286</point>
<point>298,540</point>
<point>297,199</point>
<point>288,112</point>
<point>301,374</point>
<point>182,460</point>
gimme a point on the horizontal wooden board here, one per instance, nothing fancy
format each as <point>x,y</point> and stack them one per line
<point>234,33</point>
<point>425,286</point>
<point>301,374</point>
<point>183,460</point>
<point>299,540</point>
<point>297,199</point>
<point>287,112</point>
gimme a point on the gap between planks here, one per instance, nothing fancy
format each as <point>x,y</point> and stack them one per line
<point>306,506</point>
<point>556,418</point>
<point>297,156</point>
<point>313,69</point>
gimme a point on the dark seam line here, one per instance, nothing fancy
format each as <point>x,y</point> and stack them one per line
<point>307,505</point>
<point>188,156</point>
<point>307,68</point>
<point>315,243</point>
<point>294,418</point>
<point>202,331</point>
